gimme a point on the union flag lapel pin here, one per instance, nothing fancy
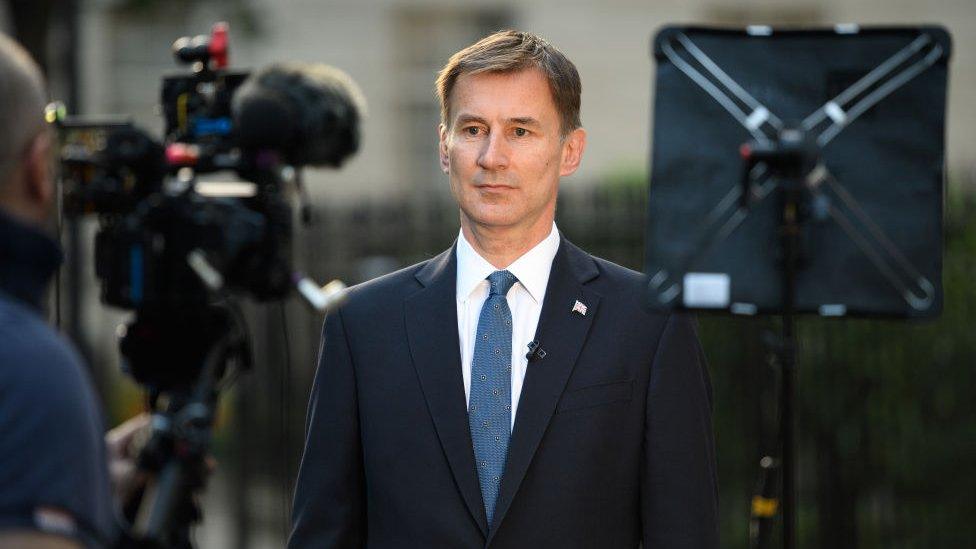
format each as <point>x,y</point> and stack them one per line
<point>578,307</point>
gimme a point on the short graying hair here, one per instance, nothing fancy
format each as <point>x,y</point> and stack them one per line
<point>22,99</point>
<point>511,51</point>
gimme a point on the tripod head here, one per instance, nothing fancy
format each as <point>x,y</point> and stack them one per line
<point>790,158</point>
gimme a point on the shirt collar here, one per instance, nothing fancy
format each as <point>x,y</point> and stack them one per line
<point>531,269</point>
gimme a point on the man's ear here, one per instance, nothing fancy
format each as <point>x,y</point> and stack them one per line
<point>442,148</point>
<point>37,173</point>
<point>573,146</point>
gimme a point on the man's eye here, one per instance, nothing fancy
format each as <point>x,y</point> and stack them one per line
<point>521,132</point>
<point>472,130</point>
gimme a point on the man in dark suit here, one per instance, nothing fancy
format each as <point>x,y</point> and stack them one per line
<point>510,392</point>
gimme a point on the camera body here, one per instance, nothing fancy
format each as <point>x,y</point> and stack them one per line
<point>172,247</point>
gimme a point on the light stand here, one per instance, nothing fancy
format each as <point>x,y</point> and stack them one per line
<point>870,106</point>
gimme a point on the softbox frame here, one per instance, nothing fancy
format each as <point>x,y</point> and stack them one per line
<point>871,99</point>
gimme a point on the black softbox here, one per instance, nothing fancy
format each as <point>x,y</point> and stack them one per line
<point>871,100</point>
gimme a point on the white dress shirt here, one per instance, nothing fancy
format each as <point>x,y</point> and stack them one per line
<point>524,299</point>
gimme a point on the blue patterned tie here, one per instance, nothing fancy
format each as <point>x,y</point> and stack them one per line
<point>490,401</point>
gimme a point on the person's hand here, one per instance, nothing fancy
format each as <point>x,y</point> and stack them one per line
<point>123,444</point>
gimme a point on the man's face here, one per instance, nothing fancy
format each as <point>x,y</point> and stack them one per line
<point>503,151</point>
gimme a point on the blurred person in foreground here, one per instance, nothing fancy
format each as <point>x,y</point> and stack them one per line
<point>55,487</point>
<point>429,426</point>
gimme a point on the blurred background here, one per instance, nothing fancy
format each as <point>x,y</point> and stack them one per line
<point>887,420</point>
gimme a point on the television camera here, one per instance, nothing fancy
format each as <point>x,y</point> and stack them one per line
<point>178,250</point>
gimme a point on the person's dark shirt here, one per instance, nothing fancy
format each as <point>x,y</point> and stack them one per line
<point>53,468</point>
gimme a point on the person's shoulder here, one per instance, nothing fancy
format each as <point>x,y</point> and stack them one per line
<point>376,297</point>
<point>51,451</point>
<point>395,285</point>
<point>618,274</point>
<point>38,364</point>
<point>612,277</point>
<point>624,291</point>
<point>27,340</point>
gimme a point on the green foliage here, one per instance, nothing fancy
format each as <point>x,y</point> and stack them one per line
<point>625,176</point>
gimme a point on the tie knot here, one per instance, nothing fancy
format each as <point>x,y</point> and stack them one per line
<point>500,283</point>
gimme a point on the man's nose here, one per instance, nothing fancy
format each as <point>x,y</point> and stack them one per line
<point>494,152</point>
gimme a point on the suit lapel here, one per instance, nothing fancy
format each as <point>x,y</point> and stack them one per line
<point>432,333</point>
<point>561,333</point>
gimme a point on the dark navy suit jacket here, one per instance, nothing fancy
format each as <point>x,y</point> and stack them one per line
<point>612,444</point>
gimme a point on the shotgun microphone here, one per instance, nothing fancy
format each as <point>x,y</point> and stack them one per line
<point>309,112</point>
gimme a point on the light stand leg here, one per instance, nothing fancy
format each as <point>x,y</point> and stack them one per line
<point>787,396</point>
<point>791,246</point>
